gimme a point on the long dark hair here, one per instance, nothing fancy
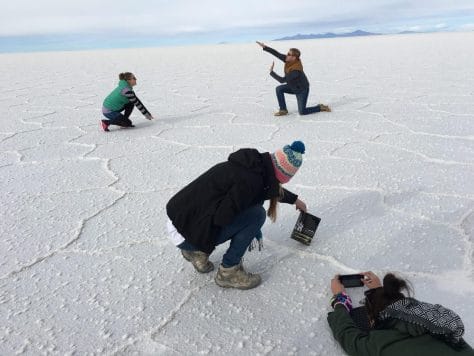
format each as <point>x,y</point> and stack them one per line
<point>378,299</point>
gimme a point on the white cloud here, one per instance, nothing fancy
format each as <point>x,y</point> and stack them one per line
<point>166,17</point>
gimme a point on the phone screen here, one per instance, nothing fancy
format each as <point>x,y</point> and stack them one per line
<point>351,280</point>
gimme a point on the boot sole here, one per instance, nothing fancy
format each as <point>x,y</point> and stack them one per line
<point>228,285</point>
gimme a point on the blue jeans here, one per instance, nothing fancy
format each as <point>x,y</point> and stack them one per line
<point>119,119</point>
<point>301,98</point>
<point>240,232</point>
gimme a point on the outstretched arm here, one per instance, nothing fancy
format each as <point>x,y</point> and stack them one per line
<point>130,94</point>
<point>270,50</point>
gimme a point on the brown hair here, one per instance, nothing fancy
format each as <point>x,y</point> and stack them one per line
<point>378,299</point>
<point>126,76</point>
<point>272,208</point>
<point>296,52</point>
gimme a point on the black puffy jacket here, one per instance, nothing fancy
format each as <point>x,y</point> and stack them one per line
<point>215,198</point>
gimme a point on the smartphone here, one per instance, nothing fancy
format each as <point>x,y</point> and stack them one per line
<point>351,280</point>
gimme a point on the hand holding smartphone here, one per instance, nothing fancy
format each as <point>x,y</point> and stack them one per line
<point>351,280</point>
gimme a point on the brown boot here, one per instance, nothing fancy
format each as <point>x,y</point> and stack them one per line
<point>236,277</point>
<point>199,259</point>
<point>323,107</point>
<point>281,113</point>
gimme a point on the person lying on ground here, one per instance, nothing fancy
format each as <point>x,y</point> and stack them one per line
<point>399,325</point>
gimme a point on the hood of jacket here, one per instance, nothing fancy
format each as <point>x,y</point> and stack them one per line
<point>417,318</point>
<point>248,158</point>
<point>260,163</point>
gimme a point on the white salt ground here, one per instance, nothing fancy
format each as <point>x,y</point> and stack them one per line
<point>85,265</point>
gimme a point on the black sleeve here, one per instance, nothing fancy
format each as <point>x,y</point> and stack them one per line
<point>134,99</point>
<point>279,55</point>
<point>277,77</point>
<point>288,197</point>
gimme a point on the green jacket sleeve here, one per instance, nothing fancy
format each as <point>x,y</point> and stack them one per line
<point>353,340</point>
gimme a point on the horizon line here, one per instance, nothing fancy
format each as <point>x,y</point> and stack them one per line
<point>156,42</point>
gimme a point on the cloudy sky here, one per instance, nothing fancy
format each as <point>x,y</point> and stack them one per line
<point>230,20</point>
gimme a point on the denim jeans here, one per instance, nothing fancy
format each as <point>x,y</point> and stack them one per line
<point>119,119</point>
<point>240,232</point>
<point>301,98</point>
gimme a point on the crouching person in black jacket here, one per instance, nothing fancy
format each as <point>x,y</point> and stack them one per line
<point>226,203</point>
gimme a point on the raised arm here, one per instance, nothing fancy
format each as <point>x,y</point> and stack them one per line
<point>270,50</point>
<point>277,77</point>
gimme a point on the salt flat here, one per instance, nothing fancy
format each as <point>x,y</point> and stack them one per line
<point>85,265</point>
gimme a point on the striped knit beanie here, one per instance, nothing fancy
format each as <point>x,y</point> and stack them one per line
<point>286,161</point>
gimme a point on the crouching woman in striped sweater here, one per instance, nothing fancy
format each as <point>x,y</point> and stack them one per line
<point>122,98</point>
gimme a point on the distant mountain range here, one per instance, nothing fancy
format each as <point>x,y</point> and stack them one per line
<point>332,35</point>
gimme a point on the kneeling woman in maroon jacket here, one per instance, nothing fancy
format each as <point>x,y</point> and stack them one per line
<point>225,203</point>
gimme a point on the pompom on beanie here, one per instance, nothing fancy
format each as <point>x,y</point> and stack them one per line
<point>286,161</point>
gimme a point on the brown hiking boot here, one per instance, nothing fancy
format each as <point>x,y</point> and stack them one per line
<point>236,277</point>
<point>281,113</point>
<point>323,107</point>
<point>199,259</point>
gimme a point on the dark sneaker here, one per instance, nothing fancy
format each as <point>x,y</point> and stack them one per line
<point>105,126</point>
<point>323,107</point>
<point>281,113</point>
<point>199,259</point>
<point>236,277</point>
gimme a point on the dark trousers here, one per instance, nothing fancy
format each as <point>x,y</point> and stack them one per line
<point>245,227</point>
<point>119,119</point>
<point>301,98</point>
